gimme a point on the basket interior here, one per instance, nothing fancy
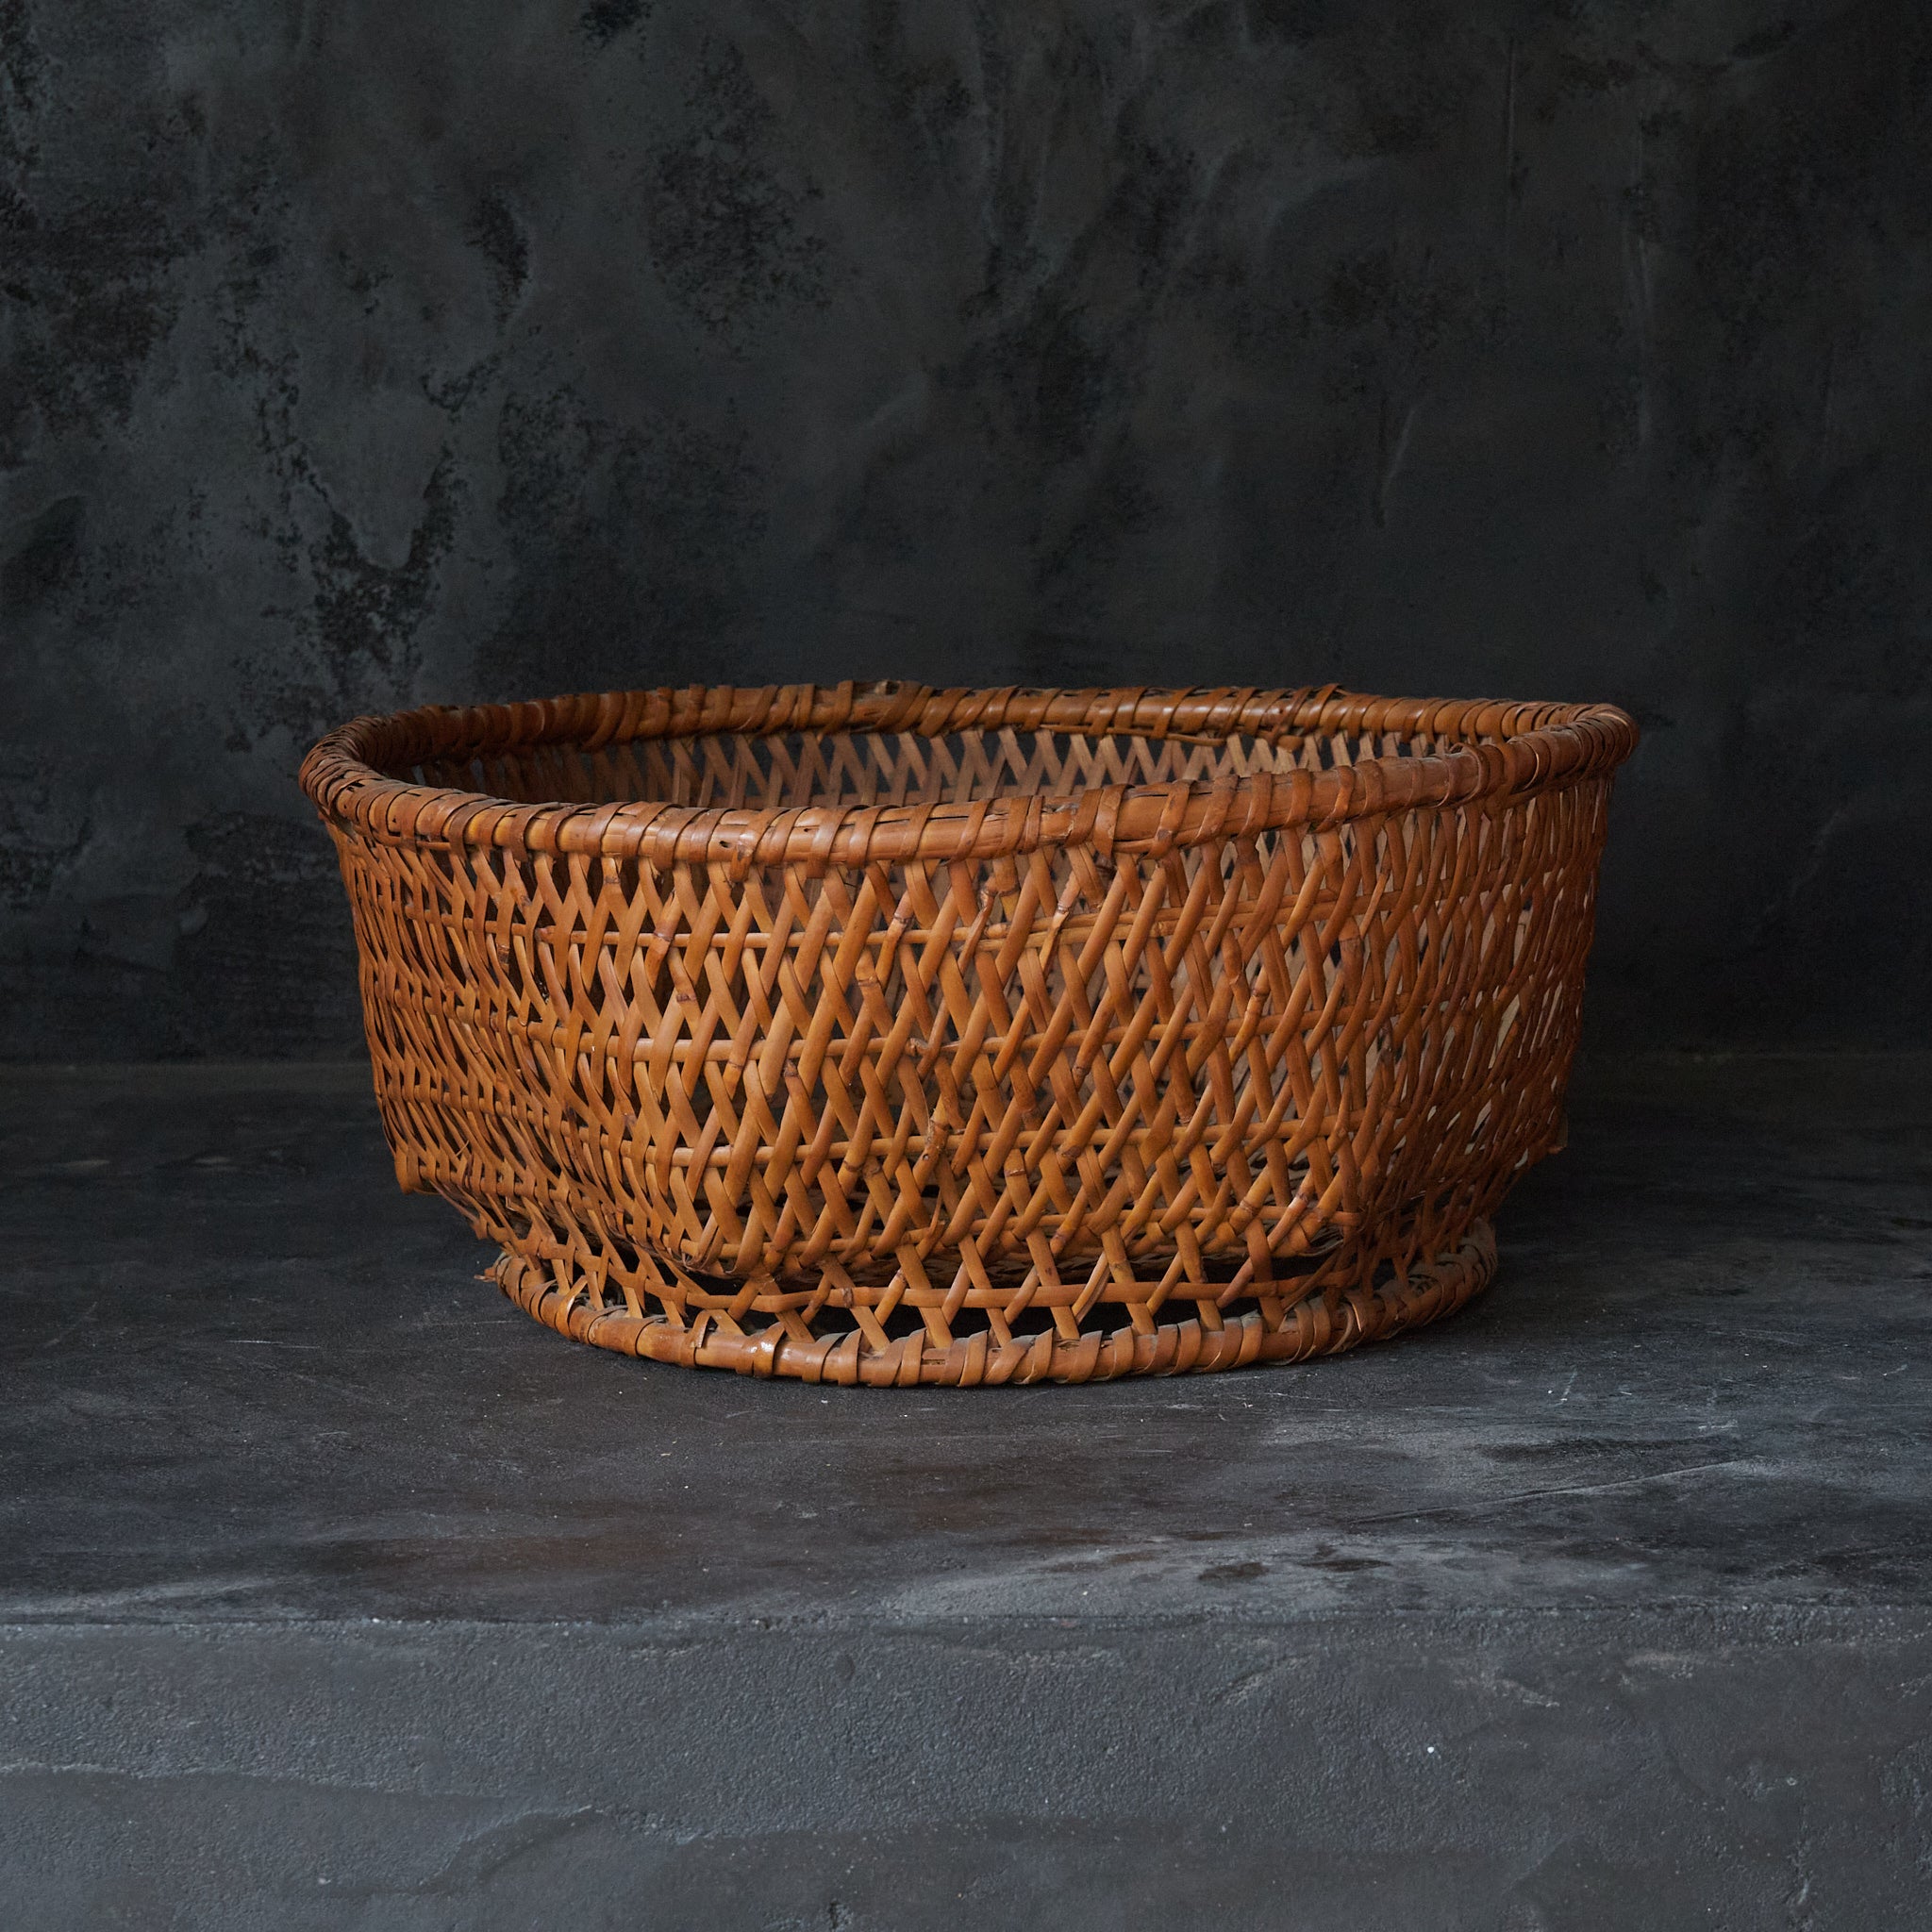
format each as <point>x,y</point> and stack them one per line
<point>782,771</point>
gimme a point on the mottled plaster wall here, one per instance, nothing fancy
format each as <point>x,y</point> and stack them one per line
<point>360,355</point>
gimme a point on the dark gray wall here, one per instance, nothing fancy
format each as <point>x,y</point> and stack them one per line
<point>357,355</point>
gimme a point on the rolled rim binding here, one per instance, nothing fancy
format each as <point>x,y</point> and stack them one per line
<point>871,1033</point>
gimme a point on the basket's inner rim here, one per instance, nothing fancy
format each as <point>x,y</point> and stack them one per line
<point>780,771</point>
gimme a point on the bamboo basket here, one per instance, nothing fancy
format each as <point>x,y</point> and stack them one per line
<point>879,1034</point>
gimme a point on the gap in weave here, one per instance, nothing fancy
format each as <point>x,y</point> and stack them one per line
<point>1007,1274</point>
<point>905,1320</point>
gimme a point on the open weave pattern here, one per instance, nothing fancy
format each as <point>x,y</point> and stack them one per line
<point>872,1033</point>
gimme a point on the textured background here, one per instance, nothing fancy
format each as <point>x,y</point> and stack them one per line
<point>360,355</point>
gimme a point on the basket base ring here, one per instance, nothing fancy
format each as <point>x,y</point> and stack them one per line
<point>1321,1324</point>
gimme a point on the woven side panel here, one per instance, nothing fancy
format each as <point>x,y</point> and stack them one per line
<point>1054,1092</point>
<point>783,770</point>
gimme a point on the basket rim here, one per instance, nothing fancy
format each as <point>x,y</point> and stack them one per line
<point>1522,748</point>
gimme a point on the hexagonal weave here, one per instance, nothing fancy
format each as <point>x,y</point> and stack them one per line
<point>877,1033</point>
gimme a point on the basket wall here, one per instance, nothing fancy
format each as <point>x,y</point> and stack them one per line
<point>1019,1052</point>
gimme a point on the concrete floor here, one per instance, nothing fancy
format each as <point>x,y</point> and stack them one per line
<point>334,1592</point>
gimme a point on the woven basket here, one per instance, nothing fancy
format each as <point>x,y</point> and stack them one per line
<point>880,1034</point>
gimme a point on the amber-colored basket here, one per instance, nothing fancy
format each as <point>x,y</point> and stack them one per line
<point>879,1034</point>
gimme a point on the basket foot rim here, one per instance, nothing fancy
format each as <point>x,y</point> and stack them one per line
<point>1321,1324</point>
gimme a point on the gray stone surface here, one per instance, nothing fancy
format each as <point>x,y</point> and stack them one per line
<point>357,354</point>
<point>335,1592</point>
